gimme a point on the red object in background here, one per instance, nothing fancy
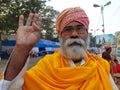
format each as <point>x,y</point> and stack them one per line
<point>116,68</point>
<point>106,47</point>
<point>34,54</point>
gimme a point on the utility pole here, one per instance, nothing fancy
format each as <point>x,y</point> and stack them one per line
<point>102,13</point>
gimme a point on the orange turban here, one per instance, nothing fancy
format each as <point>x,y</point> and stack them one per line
<point>71,14</point>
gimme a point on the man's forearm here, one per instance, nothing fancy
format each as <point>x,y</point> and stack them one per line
<point>16,63</point>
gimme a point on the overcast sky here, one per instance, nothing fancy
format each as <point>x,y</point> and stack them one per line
<point>111,13</point>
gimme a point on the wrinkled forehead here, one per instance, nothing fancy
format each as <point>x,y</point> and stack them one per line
<point>74,23</point>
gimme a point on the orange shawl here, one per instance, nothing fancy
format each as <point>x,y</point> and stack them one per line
<point>54,73</point>
<point>0,76</point>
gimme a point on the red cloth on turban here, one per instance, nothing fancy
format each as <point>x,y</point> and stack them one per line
<point>69,15</point>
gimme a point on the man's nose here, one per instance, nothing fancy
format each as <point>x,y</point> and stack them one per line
<point>74,33</point>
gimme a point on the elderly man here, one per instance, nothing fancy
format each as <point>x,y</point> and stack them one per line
<point>71,67</point>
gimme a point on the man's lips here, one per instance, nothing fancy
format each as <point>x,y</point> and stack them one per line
<point>75,44</point>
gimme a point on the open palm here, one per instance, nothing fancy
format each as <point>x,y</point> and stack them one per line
<point>28,34</point>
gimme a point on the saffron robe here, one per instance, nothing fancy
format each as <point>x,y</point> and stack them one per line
<point>0,76</point>
<point>53,72</point>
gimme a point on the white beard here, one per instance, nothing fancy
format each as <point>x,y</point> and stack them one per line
<point>74,52</point>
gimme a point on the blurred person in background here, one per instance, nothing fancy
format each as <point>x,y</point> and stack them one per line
<point>106,54</point>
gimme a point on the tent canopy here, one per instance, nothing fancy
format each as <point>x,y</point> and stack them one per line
<point>8,43</point>
<point>47,43</point>
<point>41,43</point>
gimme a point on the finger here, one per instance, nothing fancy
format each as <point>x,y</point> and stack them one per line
<point>37,20</point>
<point>36,27</point>
<point>30,19</point>
<point>21,20</point>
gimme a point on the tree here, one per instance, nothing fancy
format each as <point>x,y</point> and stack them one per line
<point>11,9</point>
<point>3,4</point>
<point>49,16</point>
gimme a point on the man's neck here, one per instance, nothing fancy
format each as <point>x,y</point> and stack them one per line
<point>76,61</point>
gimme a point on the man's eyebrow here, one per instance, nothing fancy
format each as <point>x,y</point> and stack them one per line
<point>67,26</point>
<point>80,25</point>
<point>72,26</point>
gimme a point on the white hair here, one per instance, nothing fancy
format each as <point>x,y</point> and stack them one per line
<point>74,52</point>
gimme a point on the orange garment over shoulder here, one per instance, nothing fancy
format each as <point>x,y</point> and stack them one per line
<point>54,73</point>
<point>0,76</point>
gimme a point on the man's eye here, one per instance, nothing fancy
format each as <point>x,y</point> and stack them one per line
<point>68,28</point>
<point>79,27</point>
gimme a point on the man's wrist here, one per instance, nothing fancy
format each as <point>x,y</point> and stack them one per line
<point>21,50</point>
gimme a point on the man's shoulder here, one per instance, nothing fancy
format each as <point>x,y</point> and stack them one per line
<point>101,62</point>
<point>99,59</point>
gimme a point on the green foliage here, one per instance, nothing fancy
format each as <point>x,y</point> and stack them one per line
<point>49,16</point>
<point>3,4</point>
<point>11,9</point>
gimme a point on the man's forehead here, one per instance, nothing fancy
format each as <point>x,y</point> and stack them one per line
<point>74,23</point>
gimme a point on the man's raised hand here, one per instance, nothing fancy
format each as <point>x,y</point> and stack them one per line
<point>28,34</point>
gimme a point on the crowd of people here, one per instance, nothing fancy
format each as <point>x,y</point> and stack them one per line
<point>71,67</point>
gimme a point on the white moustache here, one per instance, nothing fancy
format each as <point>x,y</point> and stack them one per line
<point>78,41</point>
